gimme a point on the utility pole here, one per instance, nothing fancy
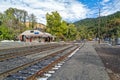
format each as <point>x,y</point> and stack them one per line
<point>99,26</point>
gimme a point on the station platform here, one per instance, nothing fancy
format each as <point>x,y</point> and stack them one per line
<point>85,64</point>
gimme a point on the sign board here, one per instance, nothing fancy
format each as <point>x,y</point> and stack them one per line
<point>36,32</point>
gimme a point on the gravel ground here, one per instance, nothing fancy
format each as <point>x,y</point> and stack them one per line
<point>84,65</point>
<point>110,56</point>
<point>12,63</point>
<point>7,45</point>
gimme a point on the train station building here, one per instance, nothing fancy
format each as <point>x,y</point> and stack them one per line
<point>35,36</point>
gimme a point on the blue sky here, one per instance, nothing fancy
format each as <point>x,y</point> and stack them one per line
<point>70,10</point>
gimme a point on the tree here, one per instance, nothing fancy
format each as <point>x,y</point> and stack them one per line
<point>60,28</point>
<point>32,21</point>
<point>64,28</point>
<point>83,32</point>
<point>1,18</point>
<point>9,18</point>
<point>15,19</point>
<point>12,22</point>
<point>6,33</point>
<point>72,31</point>
<point>54,21</point>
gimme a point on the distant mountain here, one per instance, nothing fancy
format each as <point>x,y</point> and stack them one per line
<point>104,20</point>
<point>86,22</point>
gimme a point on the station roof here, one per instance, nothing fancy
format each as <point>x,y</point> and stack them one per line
<point>32,33</point>
<point>36,33</point>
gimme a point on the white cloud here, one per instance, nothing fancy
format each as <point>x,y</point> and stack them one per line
<point>70,10</point>
<point>111,8</point>
<point>106,7</point>
<point>106,1</point>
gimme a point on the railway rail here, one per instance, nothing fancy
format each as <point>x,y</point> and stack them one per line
<point>26,51</point>
<point>28,65</point>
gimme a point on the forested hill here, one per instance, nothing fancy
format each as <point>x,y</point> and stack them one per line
<point>104,20</point>
<point>86,22</point>
<point>107,26</point>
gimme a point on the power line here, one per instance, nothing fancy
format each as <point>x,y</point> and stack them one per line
<point>112,7</point>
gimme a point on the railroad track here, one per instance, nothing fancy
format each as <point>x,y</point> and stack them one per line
<point>20,60</point>
<point>50,66</point>
<point>28,51</point>
<point>38,64</point>
<point>23,66</point>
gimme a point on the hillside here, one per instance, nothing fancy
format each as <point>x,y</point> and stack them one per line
<point>108,26</point>
<point>37,25</point>
<point>92,22</point>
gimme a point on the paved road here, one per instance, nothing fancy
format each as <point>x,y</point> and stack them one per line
<point>84,65</point>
